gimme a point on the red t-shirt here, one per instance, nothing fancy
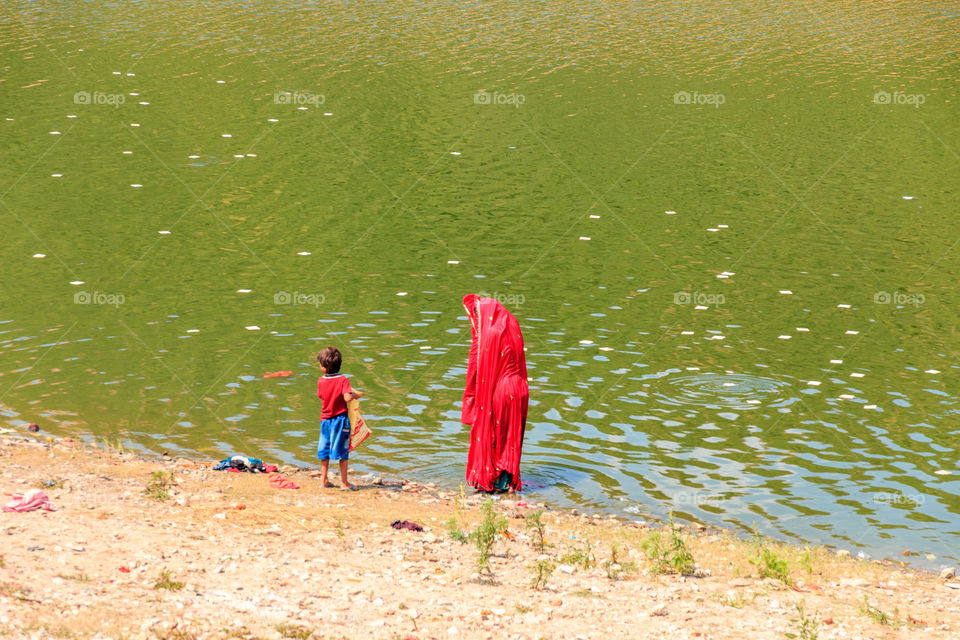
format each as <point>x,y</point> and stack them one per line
<point>330,390</point>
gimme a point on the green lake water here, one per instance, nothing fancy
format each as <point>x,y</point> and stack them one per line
<point>728,231</point>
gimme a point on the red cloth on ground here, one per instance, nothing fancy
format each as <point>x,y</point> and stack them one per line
<point>32,499</point>
<point>496,395</point>
<point>330,390</point>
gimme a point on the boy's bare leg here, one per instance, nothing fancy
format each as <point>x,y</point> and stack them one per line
<point>324,481</point>
<point>343,474</point>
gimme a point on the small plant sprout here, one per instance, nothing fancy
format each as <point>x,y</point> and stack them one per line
<point>535,522</point>
<point>490,526</point>
<point>769,564</point>
<point>541,571</point>
<point>668,552</point>
<point>159,486</point>
<point>808,625</point>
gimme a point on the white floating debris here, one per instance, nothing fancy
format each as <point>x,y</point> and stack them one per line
<point>584,237</point>
<point>909,197</point>
<point>722,276</point>
<point>39,255</point>
<point>869,406</point>
<point>303,253</point>
<point>804,329</point>
<point>836,362</point>
<point>193,157</point>
<point>942,472</point>
<point>117,73</point>
<point>692,368</point>
<point>856,375</point>
<point>606,348</point>
<point>164,232</point>
<point>454,153</point>
<point>713,229</point>
<point>586,342</point>
<point>453,262</point>
<point>717,338</point>
<point>851,332</point>
<point>134,124</point>
<point>272,120</point>
<point>784,337</point>
<point>729,384</point>
<point>136,186</point>
<point>251,155</point>
<point>239,155</point>
<point>302,108</point>
<point>401,293</point>
<point>221,81</point>
<point>814,383</point>
<point>54,133</point>
<point>686,333</point>
<point>328,114</point>
<point>56,175</point>
<point>226,135</point>
<point>843,306</point>
<point>133,93</point>
<point>145,103</point>
<point>128,153</point>
<point>76,282</point>
<point>786,292</point>
<point>932,371</point>
<point>424,348</point>
<point>130,75</point>
<point>722,226</point>
<point>701,307</point>
<point>252,327</point>
<point>846,396</point>
<point>193,330</point>
<point>671,213</point>
<point>244,290</point>
<point>71,116</point>
<point>593,217</point>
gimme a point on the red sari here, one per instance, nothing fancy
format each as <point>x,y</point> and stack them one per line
<point>496,395</point>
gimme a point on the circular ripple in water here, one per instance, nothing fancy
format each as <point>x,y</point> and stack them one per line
<point>721,391</point>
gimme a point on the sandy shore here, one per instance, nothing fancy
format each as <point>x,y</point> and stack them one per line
<point>225,555</point>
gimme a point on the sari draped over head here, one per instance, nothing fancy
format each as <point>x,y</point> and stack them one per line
<point>495,397</point>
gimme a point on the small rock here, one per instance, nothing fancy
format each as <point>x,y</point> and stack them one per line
<point>843,553</point>
<point>659,610</point>
<point>948,573</point>
<point>566,568</point>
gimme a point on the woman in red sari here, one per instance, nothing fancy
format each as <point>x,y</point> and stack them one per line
<point>496,395</point>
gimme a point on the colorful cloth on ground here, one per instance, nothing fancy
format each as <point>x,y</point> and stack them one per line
<point>496,396</point>
<point>334,443</point>
<point>29,501</point>
<point>330,390</point>
<point>241,463</point>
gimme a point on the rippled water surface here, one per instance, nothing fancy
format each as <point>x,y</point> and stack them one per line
<point>728,230</point>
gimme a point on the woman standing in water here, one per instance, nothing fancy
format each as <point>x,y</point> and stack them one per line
<point>496,395</point>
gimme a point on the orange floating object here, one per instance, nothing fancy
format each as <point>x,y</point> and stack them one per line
<point>277,374</point>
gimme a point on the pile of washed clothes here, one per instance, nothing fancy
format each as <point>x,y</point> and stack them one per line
<point>237,464</point>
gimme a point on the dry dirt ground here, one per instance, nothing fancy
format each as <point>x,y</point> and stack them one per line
<point>227,556</point>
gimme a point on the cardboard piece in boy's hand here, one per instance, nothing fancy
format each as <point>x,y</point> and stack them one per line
<point>359,431</point>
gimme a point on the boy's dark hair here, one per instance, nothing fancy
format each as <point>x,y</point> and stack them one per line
<point>330,359</point>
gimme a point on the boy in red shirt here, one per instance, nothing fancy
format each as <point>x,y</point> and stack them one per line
<point>334,392</point>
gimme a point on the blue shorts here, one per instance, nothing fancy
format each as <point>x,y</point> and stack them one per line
<point>334,438</point>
